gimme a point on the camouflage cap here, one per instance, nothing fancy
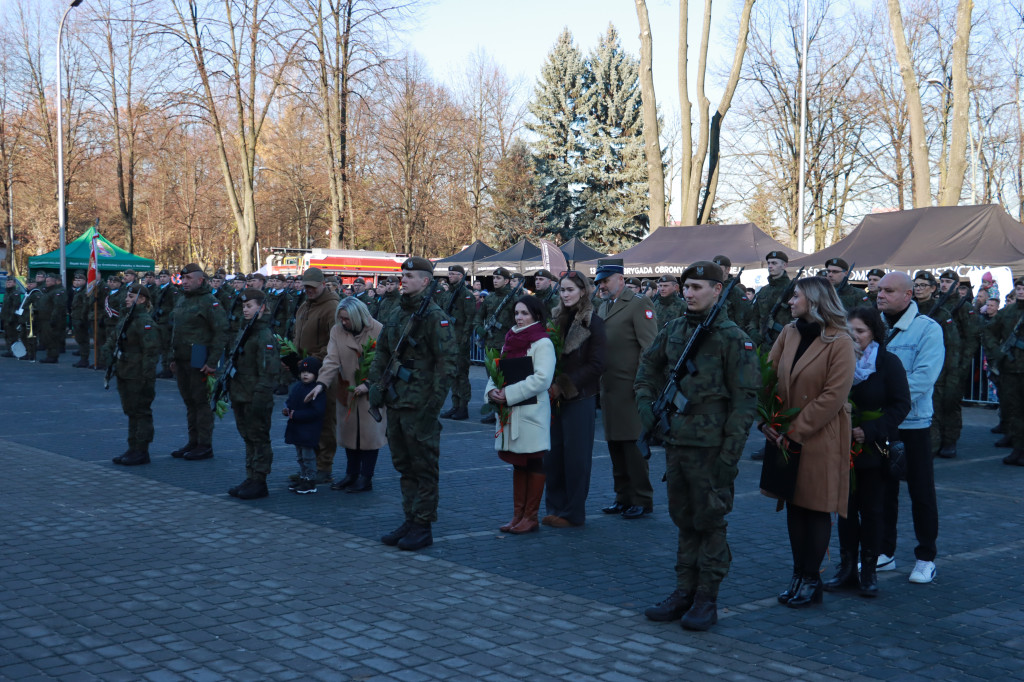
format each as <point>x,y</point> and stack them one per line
<point>778,255</point>
<point>417,264</point>
<point>837,263</point>
<point>705,270</point>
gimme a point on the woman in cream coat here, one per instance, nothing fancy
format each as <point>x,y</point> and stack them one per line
<point>358,433</point>
<point>525,437</point>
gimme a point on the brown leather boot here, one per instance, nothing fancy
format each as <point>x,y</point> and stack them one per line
<point>534,491</point>
<point>518,499</point>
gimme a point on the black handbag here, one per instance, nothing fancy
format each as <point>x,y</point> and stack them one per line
<point>778,472</point>
<point>894,456</point>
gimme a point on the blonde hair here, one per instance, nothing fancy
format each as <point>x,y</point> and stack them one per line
<point>358,313</point>
<point>824,307</point>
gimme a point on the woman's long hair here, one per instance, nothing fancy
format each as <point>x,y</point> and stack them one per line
<point>564,316</point>
<point>357,311</point>
<point>824,306</point>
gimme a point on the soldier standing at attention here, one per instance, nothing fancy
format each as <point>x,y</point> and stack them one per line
<point>111,300</point>
<point>12,301</point>
<point>197,342</point>
<point>667,304</point>
<point>738,306</point>
<point>630,326</point>
<point>53,314</point>
<point>388,301</point>
<point>765,300</point>
<point>460,307</point>
<point>702,447</point>
<point>494,338</point>
<point>546,289</point>
<point>164,300</point>
<point>360,292</point>
<point>836,270</point>
<point>874,275</point>
<point>257,366</point>
<point>414,430</point>
<point>80,310</point>
<point>29,319</point>
<point>1004,344</point>
<point>136,372</point>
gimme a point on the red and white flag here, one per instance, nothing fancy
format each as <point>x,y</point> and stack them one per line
<point>93,275</point>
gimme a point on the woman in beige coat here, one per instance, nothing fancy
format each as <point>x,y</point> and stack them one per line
<point>814,358</point>
<point>358,433</point>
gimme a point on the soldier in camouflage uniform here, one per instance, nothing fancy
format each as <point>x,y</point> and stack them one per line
<point>545,284</point>
<point>81,309</point>
<point>851,297</point>
<point>460,307</point>
<point>495,338</point>
<point>12,301</point>
<point>1003,338</point>
<point>197,342</point>
<point>135,370</point>
<point>874,276</point>
<point>111,301</point>
<point>667,304</point>
<point>388,301</point>
<point>257,365</point>
<point>165,297</point>
<point>53,313</point>
<point>946,417</point>
<point>738,306</point>
<point>764,328</point>
<point>414,430</point>
<point>702,447</point>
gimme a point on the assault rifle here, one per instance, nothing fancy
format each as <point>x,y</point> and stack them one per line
<point>220,388</point>
<point>1014,340</point>
<point>941,301</point>
<point>118,343</point>
<point>395,370</point>
<point>846,280</point>
<point>769,324</point>
<point>671,400</point>
<point>492,321</point>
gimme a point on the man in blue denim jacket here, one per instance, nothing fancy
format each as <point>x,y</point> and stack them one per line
<point>917,341</point>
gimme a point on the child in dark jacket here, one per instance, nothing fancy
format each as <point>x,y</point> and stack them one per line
<point>305,421</point>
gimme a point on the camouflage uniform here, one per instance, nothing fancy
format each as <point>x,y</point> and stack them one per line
<point>947,420</point>
<point>109,310</point>
<point>460,307</point>
<point>703,447</point>
<point>136,374</point>
<point>852,297</point>
<point>1003,338</point>
<point>549,299</point>
<point>414,431</point>
<point>764,301</point>
<point>668,308</point>
<point>252,396</point>
<point>387,302</point>
<point>506,318</point>
<point>737,308</point>
<point>233,315</point>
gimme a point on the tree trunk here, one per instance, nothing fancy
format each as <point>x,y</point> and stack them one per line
<point>920,166</point>
<point>652,133</point>
<point>949,192</point>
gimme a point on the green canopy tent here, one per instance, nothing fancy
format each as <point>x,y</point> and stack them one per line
<point>111,258</point>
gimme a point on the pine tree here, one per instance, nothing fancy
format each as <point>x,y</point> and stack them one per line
<point>614,170</point>
<point>515,198</point>
<point>558,110</point>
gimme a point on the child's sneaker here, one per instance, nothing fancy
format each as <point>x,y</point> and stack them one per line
<point>305,486</point>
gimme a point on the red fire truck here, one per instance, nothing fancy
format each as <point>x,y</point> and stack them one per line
<point>346,265</point>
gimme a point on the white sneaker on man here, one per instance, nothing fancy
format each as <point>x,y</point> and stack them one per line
<point>886,563</point>
<point>923,573</point>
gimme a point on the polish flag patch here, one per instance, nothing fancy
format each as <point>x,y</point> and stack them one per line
<point>444,323</point>
<point>747,345</point>
<point>649,314</point>
<point>147,327</point>
<point>270,346</point>
<point>216,303</point>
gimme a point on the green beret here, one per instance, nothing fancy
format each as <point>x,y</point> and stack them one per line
<point>950,274</point>
<point>705,270</point>
<point>633,281</point>
<point>546,274</point>
<point>79,273</point>
<point>139,289</point>
<point>668,278</point>
<point>925,274</point>
<point>457,268</point>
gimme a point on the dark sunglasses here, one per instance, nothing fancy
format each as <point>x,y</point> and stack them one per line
<point>570,273</point>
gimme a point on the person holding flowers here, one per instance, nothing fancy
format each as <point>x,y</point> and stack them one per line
<point>880,399</point>
<point>814,360</point>
<point>523,434</point>
<point>350,352</point>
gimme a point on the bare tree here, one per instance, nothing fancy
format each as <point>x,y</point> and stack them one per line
<point>652,132</point>
<point>12,115</point>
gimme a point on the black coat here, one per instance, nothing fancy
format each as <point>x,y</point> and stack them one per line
<point>583,366</point>
<point>886,390</point>
<point>305,425</point>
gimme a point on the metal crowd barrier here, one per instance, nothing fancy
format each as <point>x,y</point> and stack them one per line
<point>476,353</point>
<point>979,389</point>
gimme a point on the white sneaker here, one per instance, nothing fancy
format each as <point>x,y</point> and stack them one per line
<point>886,563</point>
<point>923,573</point>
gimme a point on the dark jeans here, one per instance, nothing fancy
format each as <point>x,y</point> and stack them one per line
<point>923,506</point>
<point>862,526</point>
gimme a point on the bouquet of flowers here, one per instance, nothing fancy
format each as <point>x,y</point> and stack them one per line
<point>769,402</point>
<point>365,362</point>
<point>222,406</point>
<point>858,417</point>
<point>289,352</point>
<point>492,364</point>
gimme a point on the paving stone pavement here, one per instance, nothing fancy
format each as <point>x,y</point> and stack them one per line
<point>154,573</point>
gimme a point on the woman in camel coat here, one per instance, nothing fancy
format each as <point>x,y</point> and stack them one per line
<point>358,433</point>
<point>814,358</point>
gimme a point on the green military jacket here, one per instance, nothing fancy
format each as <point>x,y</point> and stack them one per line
<point>1005,349</point>
<point>257,365</point>
<point>198,320</point>
<point>387,302</point>
<point>164,300</point>
<point>80,305</point>
<point>738,306</point>
<point>45,307</point>
<point>506,318</point>
<point>951,339</point>
<point>279,310</point>
<point>852,297</point>
<point>431,361</point>
<point>723,391</point>
<point>667,309</point>
<point>140,345</point>
<point>460,307</point>
<point>549,299</point>
<point>58,319</point>
<point>12,301</point>
<point>762,330</point>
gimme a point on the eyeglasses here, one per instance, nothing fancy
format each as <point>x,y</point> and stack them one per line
<point>835,272</point>
<point>922,285</point>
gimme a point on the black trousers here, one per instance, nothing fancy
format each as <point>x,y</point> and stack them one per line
<point>862,527</point>
<point>809,531</point>
<point>923,505</point>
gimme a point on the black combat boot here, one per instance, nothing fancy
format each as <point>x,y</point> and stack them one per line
<point>120,458</point>
<point>183,450</point>
<point>868,578</point>
<point>1004,442</point>
<point>672,607</point>
<point>233,491</point>
<point>703,614</point>
<point>461,414</point>
<point>846,576</point>
<point>794,587</point>
<point>252,490</point>
<point>392,538</point>
<point>448,414</point>
<point>947,451</point>
<point>809,593</point>
<point>418,537</point>
<point>200,452</point>
<point>1016,457</point>
<point>135,458</point>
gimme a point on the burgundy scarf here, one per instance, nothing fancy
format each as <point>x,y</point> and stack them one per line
<point>518,343</point>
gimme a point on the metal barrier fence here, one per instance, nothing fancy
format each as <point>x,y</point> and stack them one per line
<point>476,353</point>
<point>979,389</point>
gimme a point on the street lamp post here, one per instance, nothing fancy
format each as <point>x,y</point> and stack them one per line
<point>60,150</point>
<point>803,138</point>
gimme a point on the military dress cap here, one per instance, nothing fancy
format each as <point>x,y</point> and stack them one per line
<point>502,272</point>
<point>950,274</point>
<point>312,277</point>
<point>706,270</point>
<point>457,268</point>
<point>139,289</point>
<point>416,263</point>
<point>192,267</point>
<point>633,281</point>
<point>723,261</point>
<point>79,273</point>
<point>253,295</point>
<point>876,272</point>
<point>668,278</point>
<point>924,274</point>
<point>777,255</point>
<point>837,263</point>
<point>606,267</point>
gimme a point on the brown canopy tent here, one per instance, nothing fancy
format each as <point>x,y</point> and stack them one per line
<point>668,250</point>
<point>929,238</point>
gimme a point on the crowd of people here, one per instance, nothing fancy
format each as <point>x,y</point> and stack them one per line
<point>868,384</point>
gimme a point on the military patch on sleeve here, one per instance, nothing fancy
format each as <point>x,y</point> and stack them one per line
<point>649,314</point>
<point>270,346</point>
<point>216,303</point>
<point>444,323</point>
<point>747,345</point>
<point>147,327</point>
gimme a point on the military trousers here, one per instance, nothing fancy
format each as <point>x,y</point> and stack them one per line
<point>415,442</point>
<point>80,329</point>
<point>137,396</point>
<point>1011,406</point>
<point>51,340</point>
<point>252,419</point>
<point>700,495</point>
<point>328,444</point>
<point>947,421</point>
<point>165,344</point>
<point>461,390</point>
<point>11,332</point>
<point>196,396</point>
<point>31,343</point>
<point>631,474</point>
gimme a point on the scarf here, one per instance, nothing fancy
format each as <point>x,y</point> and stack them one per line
<point>866,363</point>
<point>519,339</point>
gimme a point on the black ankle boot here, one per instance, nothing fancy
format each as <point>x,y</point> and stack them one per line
<point>846,577</point>
<point>868,579</point>
<point>794,587</point>
<point>703,614</point>
<point>809,593</point>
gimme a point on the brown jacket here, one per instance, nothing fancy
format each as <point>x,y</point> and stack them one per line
<point>356,428</point>
<point>313,322</point>
<point>630,326</point>
<point>819,385</point>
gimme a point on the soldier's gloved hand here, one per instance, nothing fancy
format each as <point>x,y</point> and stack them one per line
<point>647,416</point>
